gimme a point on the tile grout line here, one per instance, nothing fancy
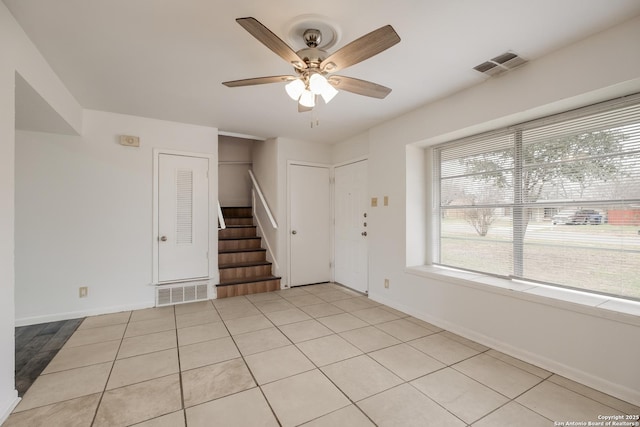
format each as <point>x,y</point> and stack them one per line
<point>588,397</point>
<point>247,365</point>
<point>405,381</point>
<point>319,368</point>
<point>104,390</point>
<point>184,409</point>
<point>325,375</point>
<point>542,379</point>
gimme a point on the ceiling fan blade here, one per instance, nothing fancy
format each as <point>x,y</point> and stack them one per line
<point>361,87</point>
<point>270,40</point>
<point>258,81</point>
<point>363,48</point>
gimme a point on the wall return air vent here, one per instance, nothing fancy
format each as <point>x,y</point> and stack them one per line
<point>181,293</point>
<point>500,64</point>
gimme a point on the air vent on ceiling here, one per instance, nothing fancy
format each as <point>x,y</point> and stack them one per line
<point>500,64</point>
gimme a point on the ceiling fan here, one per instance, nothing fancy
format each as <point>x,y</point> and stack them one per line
<point>314,66</point>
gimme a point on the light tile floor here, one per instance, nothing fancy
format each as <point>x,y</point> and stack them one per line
<point>319,355</point>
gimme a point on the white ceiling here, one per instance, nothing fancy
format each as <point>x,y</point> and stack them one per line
<point>166,59</point>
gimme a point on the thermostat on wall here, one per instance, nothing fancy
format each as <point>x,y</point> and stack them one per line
<point>130,141</point>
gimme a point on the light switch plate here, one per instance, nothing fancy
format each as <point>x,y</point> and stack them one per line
<point>374,202</point>
<point>386,200</point>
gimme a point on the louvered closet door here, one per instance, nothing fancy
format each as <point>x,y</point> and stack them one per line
<point>183,199</point>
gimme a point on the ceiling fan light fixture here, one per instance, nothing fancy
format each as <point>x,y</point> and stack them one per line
<point>295,89</point>
<point>320,86</point>
<point>308,99</point>
<point>312,64</point>
<point>328,93</point>
<point>317,83</point>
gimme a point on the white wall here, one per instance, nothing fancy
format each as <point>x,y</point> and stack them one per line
<point>234,161</point>
<point>84,214</point>
<point>26,60</point>
<point>265,161</point>
<point>8,394</point>
<point>18,54</point>
<point>351,149</point>
<point>567,341</point>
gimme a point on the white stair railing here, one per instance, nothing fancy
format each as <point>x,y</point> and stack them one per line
<point>260,211</point>
<point>263,201</point>
<point>221,224</point>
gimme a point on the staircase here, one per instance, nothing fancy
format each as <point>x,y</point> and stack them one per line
<point>241,259</point>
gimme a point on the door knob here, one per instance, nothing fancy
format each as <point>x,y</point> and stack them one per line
<point>294,232</point>
<point>364,233</point>
<point>163,238</point>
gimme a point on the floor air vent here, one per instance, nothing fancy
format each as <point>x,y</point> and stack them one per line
<point>181,293</point>
<point>500,64</point>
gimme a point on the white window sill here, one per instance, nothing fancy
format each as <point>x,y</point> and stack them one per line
<point>619,310</point>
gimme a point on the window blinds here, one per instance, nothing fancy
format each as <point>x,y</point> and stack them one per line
<point>555,200</point>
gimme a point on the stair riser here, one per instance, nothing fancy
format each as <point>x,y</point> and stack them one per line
<point>224,245</point>
<point>228,274</point>
<point>229,233</point>
<point>248,288</point>
<point>235,212</point>
<point>238,221</point>
<point>241,257</point>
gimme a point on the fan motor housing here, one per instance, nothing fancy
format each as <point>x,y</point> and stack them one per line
<point>312,56</point>
<point>312,37</point>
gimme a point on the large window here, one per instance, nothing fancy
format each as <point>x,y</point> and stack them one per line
<point>554,201</point>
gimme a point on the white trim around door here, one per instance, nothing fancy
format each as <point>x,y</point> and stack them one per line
<point>213,275</point>
<point>323,256</point>
<point>350,201</point>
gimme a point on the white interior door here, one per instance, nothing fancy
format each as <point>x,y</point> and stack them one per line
<point>183,217</point>
<point>351,255</point>
<point>310,219</point>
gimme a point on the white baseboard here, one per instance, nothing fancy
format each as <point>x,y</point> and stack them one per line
<point>624,393</point>
<point>34,320</point>
<point>8,407</point>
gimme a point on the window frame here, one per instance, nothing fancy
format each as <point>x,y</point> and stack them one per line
<point>519,205</point>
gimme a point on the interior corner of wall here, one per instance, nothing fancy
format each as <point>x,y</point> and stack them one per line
<point>45,106</point>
